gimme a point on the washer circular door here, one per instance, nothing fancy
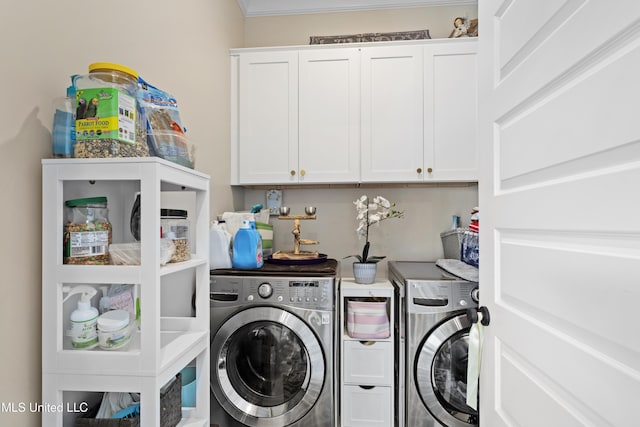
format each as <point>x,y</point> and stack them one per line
<point>270,367</point>
<point>441,372</point>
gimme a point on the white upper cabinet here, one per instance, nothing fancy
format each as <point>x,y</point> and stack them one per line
<point>450,112</point>
<point>371,112</point>
<point>267,117</point>
<point>392,113</point>
<point>329,116</point>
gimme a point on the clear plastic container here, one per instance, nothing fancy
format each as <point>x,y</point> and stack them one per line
<point>174,225</point>
<point>109,122</point>
<point>87,232</point>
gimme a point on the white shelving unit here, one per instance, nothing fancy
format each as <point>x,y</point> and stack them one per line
<point>367,366</point>
<point>163,345</point>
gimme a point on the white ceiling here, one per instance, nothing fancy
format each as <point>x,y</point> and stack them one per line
<point>291,7</point>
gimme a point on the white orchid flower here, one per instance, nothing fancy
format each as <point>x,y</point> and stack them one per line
<point>372,213</point>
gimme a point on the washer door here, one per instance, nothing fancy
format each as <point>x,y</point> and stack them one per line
<point>441,372</point>
<point>270,367</point>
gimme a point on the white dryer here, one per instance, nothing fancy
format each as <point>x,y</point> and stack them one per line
<point>432,345</point>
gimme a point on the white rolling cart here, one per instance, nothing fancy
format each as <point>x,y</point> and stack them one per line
<point>164,343</point>
<point>367,364</point>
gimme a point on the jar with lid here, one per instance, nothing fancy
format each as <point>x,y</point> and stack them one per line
<point>87,232</point>
<point>174,225</point>
<point>109,121</point>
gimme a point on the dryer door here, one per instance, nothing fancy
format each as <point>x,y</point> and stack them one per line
<point>441,372</point>
<point>269,365</point>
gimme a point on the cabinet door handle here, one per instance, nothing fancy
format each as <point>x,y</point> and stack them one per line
<point>429,170</point>
<point>302,172</point>
<point>293,173</point>
<point>419,170</point>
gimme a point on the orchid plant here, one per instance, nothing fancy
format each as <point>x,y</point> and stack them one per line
<point>372,213</point>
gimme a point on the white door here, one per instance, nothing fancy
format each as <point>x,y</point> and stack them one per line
<point>268,117</point>
<point>392,118</point>
<point>329,115</point>
<point>450,111</point>
<point>560,238</point>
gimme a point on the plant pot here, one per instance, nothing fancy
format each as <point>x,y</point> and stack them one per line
<point>364,272</point>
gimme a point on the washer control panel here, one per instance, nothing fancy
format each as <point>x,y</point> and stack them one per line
<point>313,293</point>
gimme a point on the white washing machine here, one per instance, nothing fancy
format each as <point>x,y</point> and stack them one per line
<point>273,348</point>
<point>432,345</point>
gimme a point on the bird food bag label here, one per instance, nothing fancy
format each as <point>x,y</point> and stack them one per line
<point>105,113</point>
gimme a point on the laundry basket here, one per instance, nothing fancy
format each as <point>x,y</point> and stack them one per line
<point>367,319</point>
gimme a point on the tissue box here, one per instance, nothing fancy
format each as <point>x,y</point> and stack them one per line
<point>367,320</point>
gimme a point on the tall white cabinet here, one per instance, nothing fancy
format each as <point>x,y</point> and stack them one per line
<point>367,386</point>
<point>164,343</point>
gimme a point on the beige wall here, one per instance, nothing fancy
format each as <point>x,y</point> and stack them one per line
<point>182,49</point>
<point>296,29</point>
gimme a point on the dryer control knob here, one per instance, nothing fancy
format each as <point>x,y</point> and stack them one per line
<point>463,302</point>
<point>250,298</point>
<point>265,290</point>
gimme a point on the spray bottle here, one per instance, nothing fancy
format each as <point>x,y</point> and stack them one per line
<point>83,332</point>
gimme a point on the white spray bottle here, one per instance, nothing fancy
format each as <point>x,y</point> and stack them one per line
<point>83,332</point>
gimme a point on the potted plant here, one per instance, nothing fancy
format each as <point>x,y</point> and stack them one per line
<point>370,213</point>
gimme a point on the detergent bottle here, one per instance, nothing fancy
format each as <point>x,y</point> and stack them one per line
<point>247,247</point>
<point>219,242</point>
<point>84,319</point>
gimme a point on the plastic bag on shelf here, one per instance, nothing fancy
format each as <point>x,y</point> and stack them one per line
<point>129,253</point>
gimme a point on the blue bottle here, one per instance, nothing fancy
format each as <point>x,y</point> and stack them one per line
<point>247,247</point>
<point>63,132</point>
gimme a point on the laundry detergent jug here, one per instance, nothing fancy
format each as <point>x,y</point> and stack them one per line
<point>247,247</point>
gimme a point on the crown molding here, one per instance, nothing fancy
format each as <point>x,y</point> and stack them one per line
<point>252,8</point>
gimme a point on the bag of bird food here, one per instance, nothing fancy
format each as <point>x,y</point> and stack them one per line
<point>165,134</point>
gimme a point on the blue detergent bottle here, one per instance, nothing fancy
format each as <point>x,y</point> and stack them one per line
<point>247,247</point>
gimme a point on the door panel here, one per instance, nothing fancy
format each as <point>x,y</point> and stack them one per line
<point>560,249</point>
<point>392,113</point>
<point>268,117</point>
<point>329,115</point>
<point>450,99</point>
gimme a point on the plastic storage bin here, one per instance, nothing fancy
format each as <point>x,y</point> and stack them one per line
<point>451,242</point>
<point>108,120</point>
<point>170,411</point>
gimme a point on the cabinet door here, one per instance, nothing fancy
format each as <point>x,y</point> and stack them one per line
<point>392,113</point>
<point>450,91</point>
<point>329,116</point>
<point>268,117</point>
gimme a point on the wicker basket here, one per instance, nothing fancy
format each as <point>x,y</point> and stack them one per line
<point>170,411</point>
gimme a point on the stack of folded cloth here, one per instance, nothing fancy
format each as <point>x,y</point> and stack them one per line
<point>474,225</point>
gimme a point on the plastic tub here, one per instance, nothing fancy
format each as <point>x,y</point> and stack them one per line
<point>114,332</point>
